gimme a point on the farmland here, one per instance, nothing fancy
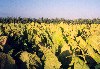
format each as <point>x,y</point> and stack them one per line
<point>59,45</point>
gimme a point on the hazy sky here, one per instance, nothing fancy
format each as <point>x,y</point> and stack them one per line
<point>50,8</point>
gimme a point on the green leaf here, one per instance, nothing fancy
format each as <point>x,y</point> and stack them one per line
<point>78,63</point>
<point>32,61</point>
<point>94,55</point>
<point>50,60</point>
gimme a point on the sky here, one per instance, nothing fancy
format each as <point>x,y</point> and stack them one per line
<point>70,9</point>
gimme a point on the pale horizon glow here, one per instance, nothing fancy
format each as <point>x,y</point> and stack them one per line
<point>70,9</point>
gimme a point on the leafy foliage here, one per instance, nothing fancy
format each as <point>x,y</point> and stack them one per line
<point>50,60</point>
<point>6,61</point>
<point>78,63</point>
<point>52,46</point>
<point>32,61</point>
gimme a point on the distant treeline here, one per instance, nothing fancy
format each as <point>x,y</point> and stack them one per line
<point>47,20</point>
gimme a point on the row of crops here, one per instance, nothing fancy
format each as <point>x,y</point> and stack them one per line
<point>51,46</point>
